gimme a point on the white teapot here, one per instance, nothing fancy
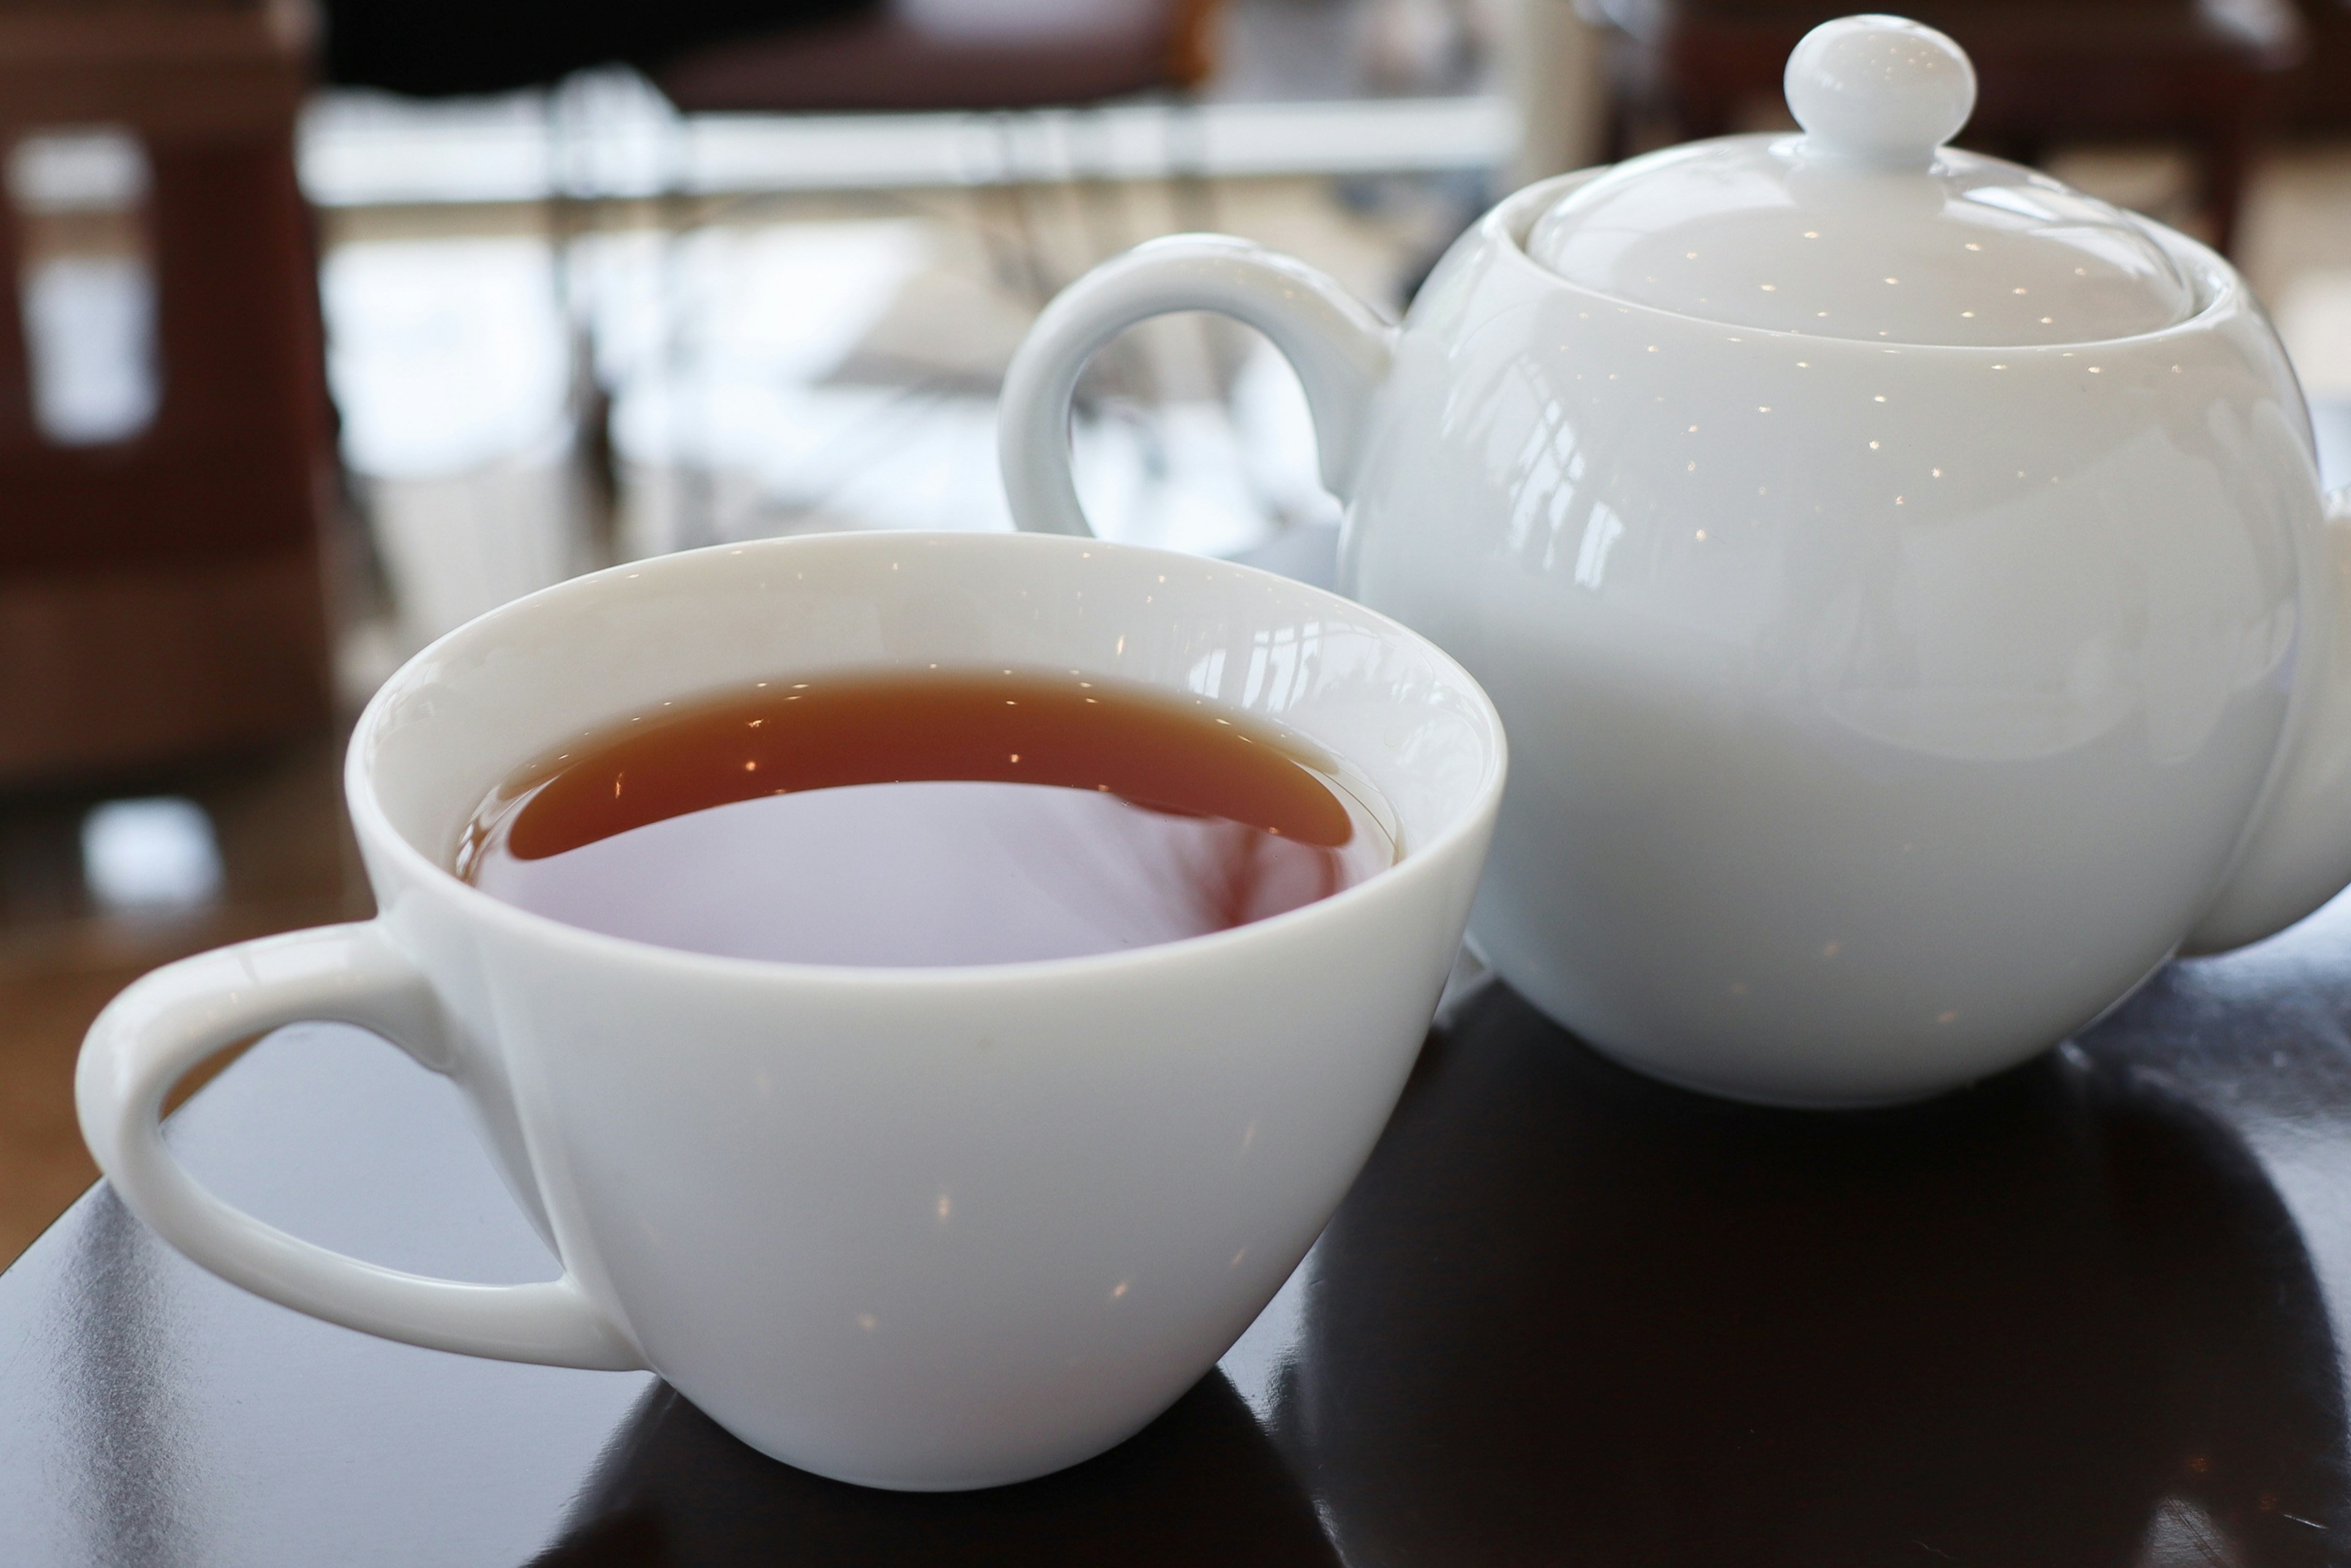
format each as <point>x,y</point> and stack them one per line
<point>1904,580</point>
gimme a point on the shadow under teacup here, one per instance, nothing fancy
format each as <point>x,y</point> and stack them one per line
<point>915,1227</point>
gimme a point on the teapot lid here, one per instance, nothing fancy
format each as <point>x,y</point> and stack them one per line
<point>1865,226</point>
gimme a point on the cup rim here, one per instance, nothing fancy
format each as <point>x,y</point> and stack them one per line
<point>374,827</point>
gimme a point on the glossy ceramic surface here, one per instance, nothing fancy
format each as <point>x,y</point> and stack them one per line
<point>1864,226</point>
<point>1883,710</point>
<point>1883,714</point>
<point>931,1228</point>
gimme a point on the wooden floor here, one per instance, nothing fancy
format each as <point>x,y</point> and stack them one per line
<point>288,861</point>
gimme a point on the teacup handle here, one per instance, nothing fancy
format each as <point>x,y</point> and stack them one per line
<point>170,1020</point>
<point>1339,348</point>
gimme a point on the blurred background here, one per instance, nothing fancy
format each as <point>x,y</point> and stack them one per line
<point>339,322</point>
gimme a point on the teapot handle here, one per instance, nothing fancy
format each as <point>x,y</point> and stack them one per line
<point>1338,346</point>
<point>2299,853</point>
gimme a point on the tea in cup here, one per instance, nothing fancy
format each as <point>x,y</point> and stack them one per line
<point>924,1208</point>
<point>926,817</point>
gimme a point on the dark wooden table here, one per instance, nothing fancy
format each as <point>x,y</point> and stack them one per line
<point>2085,1314</point>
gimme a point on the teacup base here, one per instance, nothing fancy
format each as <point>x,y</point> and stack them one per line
<point>1029,1469</point>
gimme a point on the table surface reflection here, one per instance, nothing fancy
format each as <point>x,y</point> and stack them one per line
<point>2083,1313</point>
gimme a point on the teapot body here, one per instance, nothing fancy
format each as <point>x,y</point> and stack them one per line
<point>1882,710</point>
<point>1880,713</point>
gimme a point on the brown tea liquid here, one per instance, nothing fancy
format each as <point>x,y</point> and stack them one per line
<point>925,817</point>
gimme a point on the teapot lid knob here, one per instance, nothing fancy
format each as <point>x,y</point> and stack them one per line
<point>1879,89</point>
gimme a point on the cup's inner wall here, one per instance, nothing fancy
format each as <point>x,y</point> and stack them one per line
<point>468,711</point>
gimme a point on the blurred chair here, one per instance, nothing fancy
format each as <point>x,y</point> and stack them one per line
<point>934,56</point>
<point>916,54</point>
<point>161,595</point>
<point>2208,73</point>
<point>2321,104</point>
<point>1001,57</point>
<point>931,56</point>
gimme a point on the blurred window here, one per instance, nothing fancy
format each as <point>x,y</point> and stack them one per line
<point>149,855</point>
<point>87,285</point>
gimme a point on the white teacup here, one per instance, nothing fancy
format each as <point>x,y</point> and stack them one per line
<point>923,1228</point>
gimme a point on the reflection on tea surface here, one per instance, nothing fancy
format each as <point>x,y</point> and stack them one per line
<point>901,817</point>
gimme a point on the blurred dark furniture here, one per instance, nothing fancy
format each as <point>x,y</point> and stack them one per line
<point>162,597</point>
<point>983,55</point>
<point>915,55</point>
<point>2210,74</point>
<point>411,46</point>
<point>2322,102</point>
